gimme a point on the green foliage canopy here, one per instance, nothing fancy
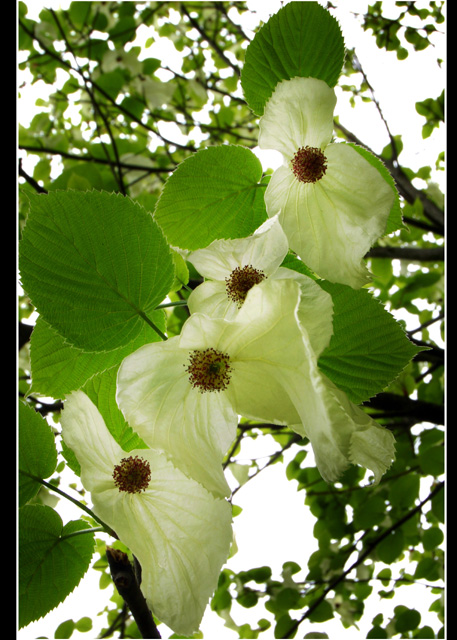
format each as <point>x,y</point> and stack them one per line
<point>102,150</point>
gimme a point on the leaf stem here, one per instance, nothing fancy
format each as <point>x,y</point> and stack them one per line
<point>176,303</point>
<point>79,504</point>
<point>152,325</point>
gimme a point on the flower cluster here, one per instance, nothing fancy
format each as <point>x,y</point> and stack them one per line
<point>250,347</point>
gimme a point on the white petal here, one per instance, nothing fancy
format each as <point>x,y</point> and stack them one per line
<point>262,341</point>
<point>315,310</point>
<point>264,250</point>
<point>341,432</point>
<point>194,429</point>
<point>298,114</point>
<point>181,537</point>
<point>85,432</point>
<point>332,224</point>
<point>211,298</point>
<point>373,448</point>
<point>178,531</point>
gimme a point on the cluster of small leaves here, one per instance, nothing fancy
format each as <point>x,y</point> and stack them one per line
<point>108,111</point>
<point>394,34</point>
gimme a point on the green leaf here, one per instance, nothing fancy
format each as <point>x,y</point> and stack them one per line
<point>283,626</point>
<point>404,491</point>
<point>370,513</point>
<point>323,612</point>
<point>368,348</point>
<point>59,368</point>
<point>37,451</point>
<point>52,560</point>
<point>215,193</point>
<point>432,538</point>
<point>407,620</point>
<point>95,265</point>
<point>65,629</point>
<point>302,39</point>
<point>389,549</point>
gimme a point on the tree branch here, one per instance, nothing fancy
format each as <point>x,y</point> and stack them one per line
<point>125,579</point>
<point>412,254</point>
<point>210,41</point>
<point>395,405</point>
<point>369,549</point>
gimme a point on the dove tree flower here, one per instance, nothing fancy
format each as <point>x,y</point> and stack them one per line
<point>233,267</point>
<point>179,532</point>
<point>331,202</point>
<point>178,395</point>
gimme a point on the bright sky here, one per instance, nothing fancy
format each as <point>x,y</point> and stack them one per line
<point>274,526</point>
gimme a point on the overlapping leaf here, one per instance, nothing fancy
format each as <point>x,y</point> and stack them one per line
<point>301,39</point>
<point>215,193</point>
<point>37,452</point>
<point>95,265</point>
<point>59,368</point>
<point>52,560</point>
<point>368,348</point>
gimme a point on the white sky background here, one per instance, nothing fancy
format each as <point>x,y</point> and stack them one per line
<point>275,526</point>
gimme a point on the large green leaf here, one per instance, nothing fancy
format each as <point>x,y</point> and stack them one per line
<point>52,560</point>
<point>215,193</point>
<point>368,348</point>
<point>37,451</point>
<point>302,39</point>
<point>95,265</point>
<point>59,368</point>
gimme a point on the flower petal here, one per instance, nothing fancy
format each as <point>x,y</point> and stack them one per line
<point>210,297</point>
<point>85,432</point>
<point>332,223</point>
<point>181,536</point>
<point>341,432</point>
<point>194,429</point>
<point>374,448</point>
<point>315,309</point>
<point>298,114</point>
<point>265,249</point>
<point>177,530</point>
<point>276,378</point>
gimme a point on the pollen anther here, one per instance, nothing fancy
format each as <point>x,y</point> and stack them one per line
<point>209,370</point>
<point>132,474</point>
<point>309,164</point>
<point>240,281</point>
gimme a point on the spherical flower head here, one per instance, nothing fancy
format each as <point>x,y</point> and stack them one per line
<point>309,164</point>
<point>240,281</point>
<point>332,203</point>
<point>132,474</point>
<point>209,370</point>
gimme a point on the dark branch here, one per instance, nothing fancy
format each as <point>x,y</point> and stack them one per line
<point>361,557</point>
<point>412,254</point>
<point>124,577</point>
<point>396,405</point>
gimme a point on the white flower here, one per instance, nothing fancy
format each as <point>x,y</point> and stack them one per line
<point>235,266</point>
<point>177,530</point>
<point>332,203</point>
<point>261,365</point>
